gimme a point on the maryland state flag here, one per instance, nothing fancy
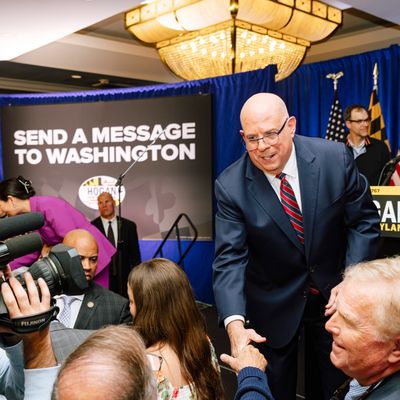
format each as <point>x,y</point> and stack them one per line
<point>377,127</point>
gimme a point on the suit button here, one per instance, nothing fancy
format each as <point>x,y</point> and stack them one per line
<point>312,268</point>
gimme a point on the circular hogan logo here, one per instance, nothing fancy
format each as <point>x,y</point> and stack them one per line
<point>92,187</point>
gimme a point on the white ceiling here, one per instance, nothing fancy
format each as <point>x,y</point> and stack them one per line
<point>26,25</point>
<point>89,36</point>
<point>388,10</point>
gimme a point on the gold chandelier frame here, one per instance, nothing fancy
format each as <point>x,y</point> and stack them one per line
<point>205,38</point>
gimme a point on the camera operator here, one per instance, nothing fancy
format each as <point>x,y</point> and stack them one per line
<point>36,354</point>
<point>11,369</point>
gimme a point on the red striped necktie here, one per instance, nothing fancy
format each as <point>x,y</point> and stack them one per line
<point>291,207</point>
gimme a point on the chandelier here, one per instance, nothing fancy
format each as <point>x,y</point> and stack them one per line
<point>206,38</point>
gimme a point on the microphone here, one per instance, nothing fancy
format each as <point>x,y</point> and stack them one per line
<point>122,176</point>
<point>20,224</point>
<point>19,246</point>
<point>394,160</point>
<point>388,170</point>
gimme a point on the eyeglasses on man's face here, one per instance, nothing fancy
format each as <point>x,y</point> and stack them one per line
<point>270,138</point>
<point>360,121</point>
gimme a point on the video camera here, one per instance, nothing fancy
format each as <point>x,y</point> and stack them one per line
<point>61,269</point>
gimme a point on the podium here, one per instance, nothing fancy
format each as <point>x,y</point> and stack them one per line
<point>387,200</point>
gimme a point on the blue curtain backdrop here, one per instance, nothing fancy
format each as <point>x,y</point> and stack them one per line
<point>309,94</point>
<point>309,97</point>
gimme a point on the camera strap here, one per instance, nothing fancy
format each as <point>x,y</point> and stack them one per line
<point>32,323</point>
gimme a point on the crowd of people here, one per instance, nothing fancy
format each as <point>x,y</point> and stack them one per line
<point>296,257</point>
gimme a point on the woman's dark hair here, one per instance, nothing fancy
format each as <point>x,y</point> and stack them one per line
<point>167,313</point>
<point>20,188</point>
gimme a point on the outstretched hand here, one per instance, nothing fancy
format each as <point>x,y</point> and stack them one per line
<point>240,337</point>
<point>330,308</point>
<point>249,356</point>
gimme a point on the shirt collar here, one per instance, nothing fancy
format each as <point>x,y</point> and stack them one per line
<point>367,141</point>
<point>290,167</point>
<point>76,296</point>
<point>106,221</point>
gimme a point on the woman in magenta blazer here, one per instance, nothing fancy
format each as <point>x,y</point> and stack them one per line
<point>17,196</point>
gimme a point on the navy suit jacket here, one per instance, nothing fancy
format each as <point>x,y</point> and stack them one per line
<point>101,307</point>
<point>261,270</point>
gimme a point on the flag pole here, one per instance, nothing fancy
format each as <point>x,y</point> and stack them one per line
<point>336,129</point>
<point>335,78</point>
<point>375,75</point>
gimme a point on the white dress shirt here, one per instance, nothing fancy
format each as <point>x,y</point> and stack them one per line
<point>357,150</point>
<point>114,226</point>
<point>292,176</point>
<point>75,307</point>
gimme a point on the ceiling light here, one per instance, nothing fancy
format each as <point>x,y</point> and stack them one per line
<point>205,38</point>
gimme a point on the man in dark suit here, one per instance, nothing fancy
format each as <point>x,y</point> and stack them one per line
<point>123,235</point>
<point>280,270</point>
<point>98,306</point>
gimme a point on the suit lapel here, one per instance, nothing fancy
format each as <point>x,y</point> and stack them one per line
<point>88,308</point>
<point>99,224</point>
<point>265,195</point>
<point>308,170</point>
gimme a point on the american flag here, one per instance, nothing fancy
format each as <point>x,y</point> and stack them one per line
<point>395,179</point>
<point>336,129</point>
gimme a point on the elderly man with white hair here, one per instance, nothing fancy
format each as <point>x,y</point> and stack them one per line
<point>366,330</point>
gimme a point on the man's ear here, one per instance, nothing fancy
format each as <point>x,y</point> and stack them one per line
<point>292,125</point>
<point>394,356</point>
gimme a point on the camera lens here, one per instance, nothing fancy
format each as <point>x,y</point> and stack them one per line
<point>62,270</point>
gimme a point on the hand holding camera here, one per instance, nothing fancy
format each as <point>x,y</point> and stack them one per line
<point>21,302</point>
<point>60,272</point>
<point>24,305</point>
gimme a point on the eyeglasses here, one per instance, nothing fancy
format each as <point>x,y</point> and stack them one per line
<point>360,121</point>
<point>270,138</point>
<point>155,361</point>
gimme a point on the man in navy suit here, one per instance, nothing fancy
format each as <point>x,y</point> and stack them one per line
<point>271,278</point>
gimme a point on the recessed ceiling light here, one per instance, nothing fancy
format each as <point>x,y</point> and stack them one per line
<point>76,76</point>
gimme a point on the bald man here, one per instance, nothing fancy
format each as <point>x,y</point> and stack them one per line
<point>98,306</point>
<point>292,212</point>
<point>125,238</point>
<point>111,364</point>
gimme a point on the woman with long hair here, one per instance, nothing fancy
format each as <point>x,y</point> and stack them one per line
<point>166,315</point>
<point>17,196</point>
